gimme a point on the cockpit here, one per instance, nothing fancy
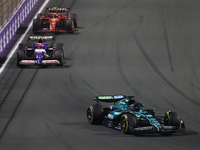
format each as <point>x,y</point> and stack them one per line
<point>54,15</point>
<point>40,46</point>
<point>136,107</point>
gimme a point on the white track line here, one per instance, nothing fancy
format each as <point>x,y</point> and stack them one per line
<point>20,39</point>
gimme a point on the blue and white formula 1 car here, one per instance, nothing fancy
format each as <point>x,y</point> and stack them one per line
<point>130,116</point>
<point>40,53</point>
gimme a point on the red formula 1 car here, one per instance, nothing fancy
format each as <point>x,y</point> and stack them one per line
<point>54,21</point>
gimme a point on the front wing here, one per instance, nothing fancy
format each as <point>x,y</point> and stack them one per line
<point>148,129</point>
<point>52,31</point>
<point>33,62</point>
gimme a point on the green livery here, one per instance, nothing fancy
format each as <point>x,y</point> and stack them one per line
<point>130,116</point>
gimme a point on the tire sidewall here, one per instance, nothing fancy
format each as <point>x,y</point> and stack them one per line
<point>69,25</point>
<point>20,56</point>
<point>59,56</point>
<point>97,114</point>
<point>172,119</point>
<point>130,123</point>
<point>35,25</point>
<point>60,46</point>
<point>74,17</point>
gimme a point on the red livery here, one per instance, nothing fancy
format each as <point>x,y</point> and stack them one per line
<point>55,21</point>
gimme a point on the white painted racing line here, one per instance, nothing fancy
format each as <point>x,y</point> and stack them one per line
<point>20,39</point>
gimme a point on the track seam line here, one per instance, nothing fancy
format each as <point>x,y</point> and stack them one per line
<point>18,103</point>
<point>159,73</point>
<point>12,116</point>
<point>10,87</point>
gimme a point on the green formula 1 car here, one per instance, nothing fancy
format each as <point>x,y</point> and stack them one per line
<point>130,116</point>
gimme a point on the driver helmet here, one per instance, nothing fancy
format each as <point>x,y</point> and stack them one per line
<point>131,107</point>
<point>56,15</point>
<point>136,107</point>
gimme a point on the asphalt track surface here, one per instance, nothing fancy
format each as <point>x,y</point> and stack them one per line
<point>146,48</point>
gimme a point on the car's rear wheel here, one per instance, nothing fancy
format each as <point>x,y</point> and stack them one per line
<point>59,56</point>
<point>20,56</point>
<point>36,25</point>
<point>60,46</point>
<point>40,15</point>
<point>69,26</point>
<point>128,123</point>
<point>21,46</point>
<point>95,114</point>
<point>74,17</point>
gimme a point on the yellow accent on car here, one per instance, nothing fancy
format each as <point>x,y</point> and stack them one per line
<point>126,126</point>
<point>126,123</point>
<point>168,114</point>
<point>91,115</point>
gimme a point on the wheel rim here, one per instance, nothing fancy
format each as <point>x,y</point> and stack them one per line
<point>124,124</point>
<point>90,115</point>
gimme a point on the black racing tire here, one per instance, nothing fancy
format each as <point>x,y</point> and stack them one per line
<point>128,123</point>
<point>74,17</point>
<point>172,119</point>
<point>20,56</point>
<point>95,114</point>
<point>40,15</point>
<point>60,46</point>
<point>59,56</point>
<point>69,26</point>
<point>36,25</point>
<point>21,46</point>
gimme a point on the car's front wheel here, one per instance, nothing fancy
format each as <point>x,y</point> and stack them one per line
<point>128,123</point>
<point>172,119</point>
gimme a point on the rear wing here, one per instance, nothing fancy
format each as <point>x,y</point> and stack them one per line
<point>45,38</point>
<point>109,98</point>
<point>57,9</point>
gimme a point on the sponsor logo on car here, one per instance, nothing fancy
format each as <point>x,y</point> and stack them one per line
<point>105,97</point>
<point>52,61</point>
<point>110,116</point>
<point>118,96</point>
<point>27,62</point>
<point>169,127</point>
<point>144,128</point>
